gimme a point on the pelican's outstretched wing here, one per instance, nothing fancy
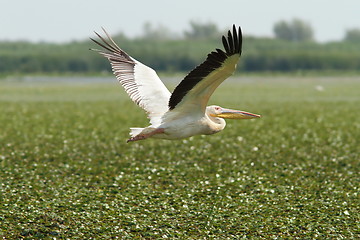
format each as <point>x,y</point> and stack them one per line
<point>194,91</point>
<point>140,82</point>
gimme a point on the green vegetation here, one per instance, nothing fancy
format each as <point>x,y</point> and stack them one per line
<point>67,173</point>
<point>295,31</point>
<point>168,52</point>
<point>352,35</point>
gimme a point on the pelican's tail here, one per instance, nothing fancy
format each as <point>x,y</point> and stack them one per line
<point>143,133</point>
<point>135,131</point>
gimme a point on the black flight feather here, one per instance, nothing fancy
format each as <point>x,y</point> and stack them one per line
<point>114,52</point>
<point>214,60</point>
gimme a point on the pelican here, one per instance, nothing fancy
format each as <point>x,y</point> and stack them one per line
<point>183,113</point>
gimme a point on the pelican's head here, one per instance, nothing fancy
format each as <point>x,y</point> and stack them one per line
<point>216,111</point>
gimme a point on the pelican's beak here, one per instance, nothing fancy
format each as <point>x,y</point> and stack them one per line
<point>236,114</point>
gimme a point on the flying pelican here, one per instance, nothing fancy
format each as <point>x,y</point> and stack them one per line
<point>184,112</point>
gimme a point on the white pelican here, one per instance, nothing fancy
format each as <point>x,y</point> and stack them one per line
<point>184,112</point>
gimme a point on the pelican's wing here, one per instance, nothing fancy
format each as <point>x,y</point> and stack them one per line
<point>194,91</point>
<point>140,82</point>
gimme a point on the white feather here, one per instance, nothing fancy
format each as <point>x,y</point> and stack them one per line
<point>153,95</point>
<point>140,82</point>
<point>135,131</point>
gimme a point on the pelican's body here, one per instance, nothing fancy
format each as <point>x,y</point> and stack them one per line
<point>178,127</point>
<point>184,112</point>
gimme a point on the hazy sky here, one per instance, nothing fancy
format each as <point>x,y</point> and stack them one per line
<point>66,20</point>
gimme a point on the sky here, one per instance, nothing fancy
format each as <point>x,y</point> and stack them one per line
<point>69,20</point>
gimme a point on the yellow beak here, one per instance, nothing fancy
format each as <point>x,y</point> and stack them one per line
<point>236,114</point>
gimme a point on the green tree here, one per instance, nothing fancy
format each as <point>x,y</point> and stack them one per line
<point>202,31</point>
<point>157,33</point>
<point>295,30</point>
<point>352,35</point>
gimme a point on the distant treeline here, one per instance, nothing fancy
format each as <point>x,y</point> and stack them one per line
<point>179,54</point>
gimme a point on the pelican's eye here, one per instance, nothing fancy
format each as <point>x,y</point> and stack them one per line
<point>217,110</point>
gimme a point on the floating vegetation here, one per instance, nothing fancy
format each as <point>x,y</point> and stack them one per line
<point>66,171</point>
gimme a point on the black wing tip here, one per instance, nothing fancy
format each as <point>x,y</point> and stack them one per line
<point>92,39</point>
<point>232,44</point>
<point>233,41</point>
<point>107,43</point>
